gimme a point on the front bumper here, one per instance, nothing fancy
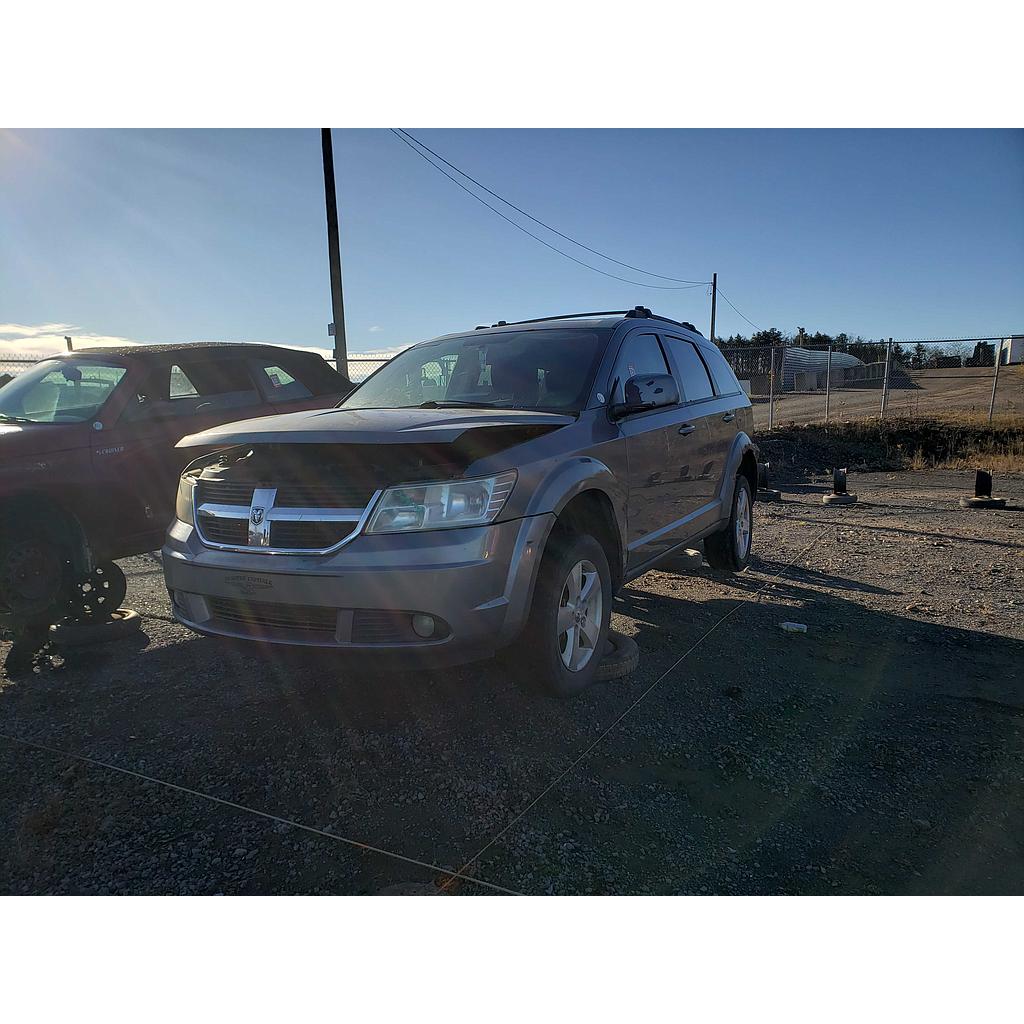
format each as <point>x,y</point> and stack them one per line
<point>476,582</point>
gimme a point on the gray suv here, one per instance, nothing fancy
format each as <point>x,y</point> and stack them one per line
<point>479,490</point>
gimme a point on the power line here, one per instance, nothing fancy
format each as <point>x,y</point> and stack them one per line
<point>537,238</point>
<point>561,234</point>
<point>727,299</point>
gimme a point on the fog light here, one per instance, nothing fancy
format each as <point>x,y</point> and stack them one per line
<point>423,625</point>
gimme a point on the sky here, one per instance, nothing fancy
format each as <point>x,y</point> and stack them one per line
<point>168,236</point>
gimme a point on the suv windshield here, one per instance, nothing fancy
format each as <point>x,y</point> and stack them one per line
<point>539,369</point>
<point>59,391</point>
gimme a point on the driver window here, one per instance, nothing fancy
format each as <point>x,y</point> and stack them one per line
<point>640,353</point>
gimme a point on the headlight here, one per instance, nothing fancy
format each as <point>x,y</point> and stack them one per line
<point>183,502</point>
<point>443,505</point>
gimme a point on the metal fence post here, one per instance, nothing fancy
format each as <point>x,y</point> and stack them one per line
<point>995,381</point>
<point>771,393</point>
<point>828,381</point>
<point>885,379</point>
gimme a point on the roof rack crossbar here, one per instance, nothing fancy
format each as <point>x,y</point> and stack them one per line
<point>638,312</point>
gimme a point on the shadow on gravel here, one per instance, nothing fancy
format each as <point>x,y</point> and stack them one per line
<point>873,754</point>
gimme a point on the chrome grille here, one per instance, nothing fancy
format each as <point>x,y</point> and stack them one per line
<point>224,531</point>
<point>289,495</point>
<point>278,520</point>
<point>307,535</point>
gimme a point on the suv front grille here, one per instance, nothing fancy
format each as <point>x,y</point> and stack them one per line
<point>224,531</point>
<point>295,516</point>
<point>289,495</point>
<point>305,618</point>
<point>313,536</point>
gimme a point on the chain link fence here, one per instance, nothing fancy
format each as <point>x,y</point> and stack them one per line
<point>796,384</point>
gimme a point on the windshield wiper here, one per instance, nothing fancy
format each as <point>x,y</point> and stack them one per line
<point>4,418</point>
<point>454,404</point>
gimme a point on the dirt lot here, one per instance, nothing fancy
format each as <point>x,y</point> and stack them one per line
<point>880,752</point>
<point>919,393</point>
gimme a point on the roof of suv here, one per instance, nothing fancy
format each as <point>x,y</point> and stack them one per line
<point>605,318</point>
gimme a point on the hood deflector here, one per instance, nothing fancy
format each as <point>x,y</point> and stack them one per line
<point>380,426</point>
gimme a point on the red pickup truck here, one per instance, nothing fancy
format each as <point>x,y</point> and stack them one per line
<point>88,467</point>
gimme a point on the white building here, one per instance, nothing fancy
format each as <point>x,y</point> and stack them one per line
<point>1011,350</point>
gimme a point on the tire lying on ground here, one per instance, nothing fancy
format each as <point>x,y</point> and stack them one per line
<point>78,633</point>
<point>621,657</point>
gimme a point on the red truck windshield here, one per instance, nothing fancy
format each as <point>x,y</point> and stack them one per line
<point>59,391</point>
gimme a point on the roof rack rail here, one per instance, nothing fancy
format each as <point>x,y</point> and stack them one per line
<point>636,313</point>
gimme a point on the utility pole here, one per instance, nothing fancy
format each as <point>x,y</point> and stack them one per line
<point>714,303</point>
<point>67,341</point>
<point>334,255</point>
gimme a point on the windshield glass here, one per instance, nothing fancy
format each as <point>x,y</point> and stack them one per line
<point>59,391</point>
<point>539,369</point>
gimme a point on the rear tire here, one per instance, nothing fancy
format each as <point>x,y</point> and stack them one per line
<point>568,626</point>
<point>729,550</point>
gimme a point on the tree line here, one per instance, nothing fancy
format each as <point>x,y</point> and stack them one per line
<point>868,350</point>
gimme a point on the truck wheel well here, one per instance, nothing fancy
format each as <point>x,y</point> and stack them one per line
<point>59,526</point>
<point>592,512</point>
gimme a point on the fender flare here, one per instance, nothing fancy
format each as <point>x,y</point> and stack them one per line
<point>570,479</point>
<point>742,446</point>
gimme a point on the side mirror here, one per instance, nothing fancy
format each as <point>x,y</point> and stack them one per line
<point>646,391</point>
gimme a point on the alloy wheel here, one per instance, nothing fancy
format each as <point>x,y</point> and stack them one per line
<point>580,611</point>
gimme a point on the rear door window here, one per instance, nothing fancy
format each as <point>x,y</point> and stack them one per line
<point>694,380</point>
<point>639,354</point>
<point>721,371</point>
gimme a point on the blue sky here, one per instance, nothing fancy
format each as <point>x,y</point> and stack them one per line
<point>188,235</point>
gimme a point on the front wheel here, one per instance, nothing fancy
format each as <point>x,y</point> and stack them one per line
<point>568,626</point>
<point>729,550</point>
<point>34,574</point>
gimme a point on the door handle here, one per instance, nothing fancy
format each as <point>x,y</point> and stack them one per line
<point>729,417</point>
<point>687,428</point>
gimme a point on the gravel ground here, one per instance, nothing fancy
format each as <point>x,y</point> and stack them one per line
<point>880,752</point>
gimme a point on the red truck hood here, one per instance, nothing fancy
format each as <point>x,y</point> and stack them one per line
<point>25,439</point>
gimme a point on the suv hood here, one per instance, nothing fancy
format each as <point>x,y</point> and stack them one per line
<point>376,426</point>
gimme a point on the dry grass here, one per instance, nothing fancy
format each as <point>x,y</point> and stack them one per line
<point>955,440</point>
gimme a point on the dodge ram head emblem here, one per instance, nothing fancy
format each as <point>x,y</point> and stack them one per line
<point>256,515</point>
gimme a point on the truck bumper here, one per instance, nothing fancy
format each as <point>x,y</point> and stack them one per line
<point>476,584</point>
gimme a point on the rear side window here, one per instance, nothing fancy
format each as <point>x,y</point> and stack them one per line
<point>277,384</point>
<point>721,371</point>
<point>640,354</point>
<point>190,387</point>
<point>695,383</point>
